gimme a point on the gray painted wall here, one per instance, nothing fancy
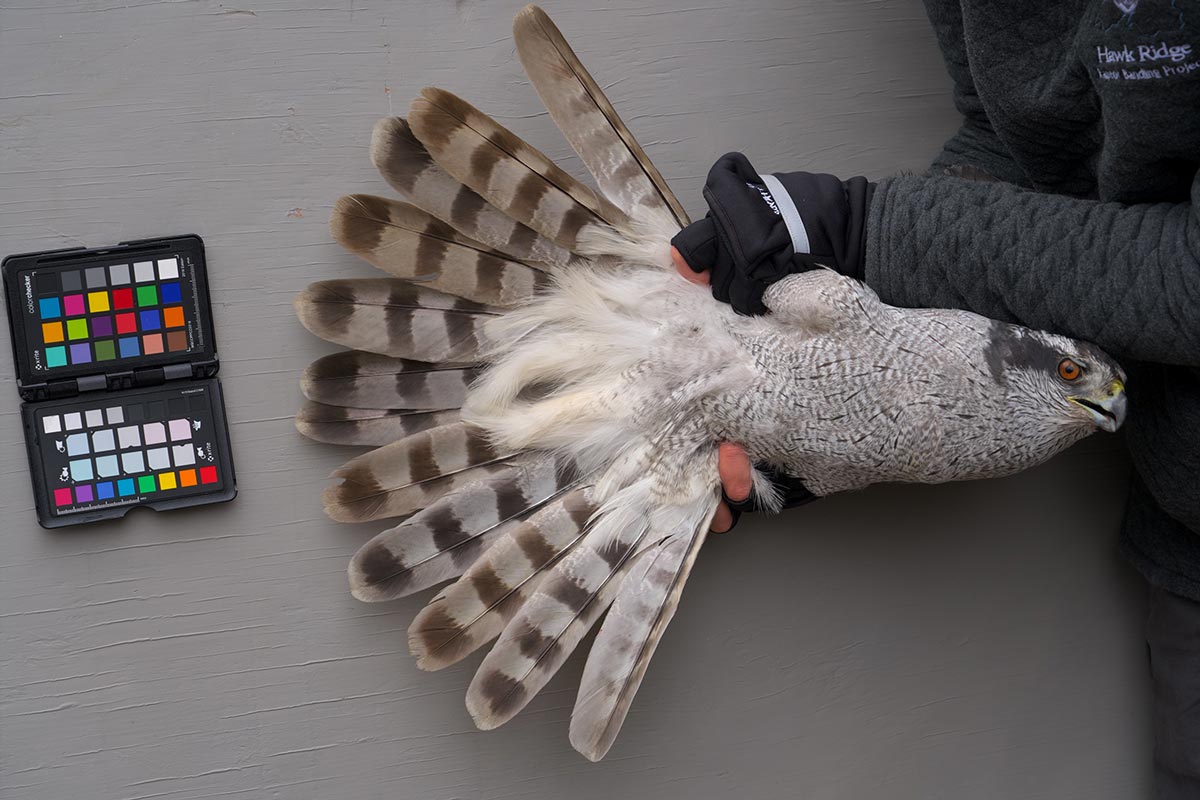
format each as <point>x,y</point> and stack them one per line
<point>979,640</point>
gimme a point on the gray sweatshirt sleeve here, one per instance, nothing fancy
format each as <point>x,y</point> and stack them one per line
<point>1126,277</point>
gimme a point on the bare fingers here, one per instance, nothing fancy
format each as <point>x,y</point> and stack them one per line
<point>733,466</point>
<point>700,278</point>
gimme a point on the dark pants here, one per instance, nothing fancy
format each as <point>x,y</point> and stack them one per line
<point>1173,636</point>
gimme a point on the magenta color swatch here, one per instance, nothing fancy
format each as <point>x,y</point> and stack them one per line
<point>73,305</point>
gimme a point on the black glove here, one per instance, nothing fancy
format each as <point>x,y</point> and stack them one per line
<point>761,228</point>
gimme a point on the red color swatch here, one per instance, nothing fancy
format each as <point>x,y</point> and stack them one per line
<point>122,298</point>
<point>127,323</point>
<point>208,474</point>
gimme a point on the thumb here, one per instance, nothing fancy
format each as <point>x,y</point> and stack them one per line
<point>689,274</point>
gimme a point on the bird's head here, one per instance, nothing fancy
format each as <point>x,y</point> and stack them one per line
<point>1056,379</point>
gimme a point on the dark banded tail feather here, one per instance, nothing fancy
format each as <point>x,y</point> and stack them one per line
<point>474,609</point>
<point>511,174</point>
<point>369,427</point>
<point>395,318</point>
<point>402,239</point>
<point>405,476</point>
<point>556,617</point>
<point>407,166</point>
<point>355,379</point>
<point>441,541</point>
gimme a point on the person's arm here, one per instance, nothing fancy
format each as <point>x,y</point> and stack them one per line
<point>975,145</point>
<point>1125,277</point>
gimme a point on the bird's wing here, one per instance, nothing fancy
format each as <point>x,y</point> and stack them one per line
<point>490,226</point>
<point>821,301</point>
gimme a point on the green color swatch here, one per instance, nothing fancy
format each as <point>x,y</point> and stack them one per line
<point>77,329</point>
<point>147,296</point>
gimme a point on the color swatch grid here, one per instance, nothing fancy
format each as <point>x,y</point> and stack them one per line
<point>107,313</point>
<point>129,451</point>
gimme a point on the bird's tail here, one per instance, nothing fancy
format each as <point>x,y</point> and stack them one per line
<point>508,296</point>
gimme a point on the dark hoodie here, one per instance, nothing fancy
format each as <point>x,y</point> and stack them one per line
<point>1089,111</point>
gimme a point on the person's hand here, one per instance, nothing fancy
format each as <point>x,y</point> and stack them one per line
<point>761,228</point>
<point>733,465</point>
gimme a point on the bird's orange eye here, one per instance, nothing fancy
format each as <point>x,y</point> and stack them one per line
<point>1068,370</point>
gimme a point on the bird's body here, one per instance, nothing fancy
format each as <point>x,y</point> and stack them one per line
<point>547,395</point>
<point>833,387</point>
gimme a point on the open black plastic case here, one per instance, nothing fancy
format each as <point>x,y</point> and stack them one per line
<point>117,363</point>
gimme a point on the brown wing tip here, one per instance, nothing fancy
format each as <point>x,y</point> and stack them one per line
<point>531,13</point>
<point>434,99</point>
<point>397,153</point>
<point>304,306</point>
<point>494,698</point>
<point>376,573</point>
<point>357,222</point>
<point>431,638</point>
<point>358,498</point>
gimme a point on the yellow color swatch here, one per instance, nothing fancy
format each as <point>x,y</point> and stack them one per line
<point>98,301</point>
<point>166,481</point>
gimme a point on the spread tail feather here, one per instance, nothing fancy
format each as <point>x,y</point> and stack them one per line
<point>355,379</point>
<point>445,538</point>
<point>402,477</point>
<point>407,166</point>
<point>394,318</point>
<point>473,610</point>
<point>402,239</point>
<point>564,506</point>
<point>630,633</point>
<point>370,427</point>
<point>509,173</point>
<point>589,122</point>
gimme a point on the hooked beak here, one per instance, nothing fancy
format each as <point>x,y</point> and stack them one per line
<point>1107,412</point>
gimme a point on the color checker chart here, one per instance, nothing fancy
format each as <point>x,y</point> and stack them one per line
<point>143,447</point>
<point>117,365</point>
<point>111,312</point>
